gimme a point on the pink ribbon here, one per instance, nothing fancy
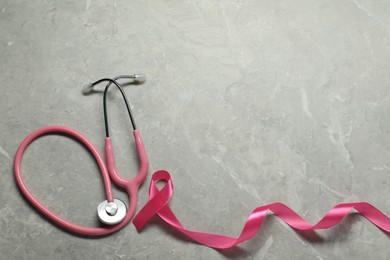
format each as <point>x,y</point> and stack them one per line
<point>158,204</point>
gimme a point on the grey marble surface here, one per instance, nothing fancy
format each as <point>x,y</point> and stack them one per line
<point>246,103</point>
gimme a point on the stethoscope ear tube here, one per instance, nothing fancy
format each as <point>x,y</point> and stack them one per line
<point>142,157</point>
<point>143,162</point>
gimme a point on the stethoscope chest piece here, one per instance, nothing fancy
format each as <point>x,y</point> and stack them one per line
<point>111,213</point>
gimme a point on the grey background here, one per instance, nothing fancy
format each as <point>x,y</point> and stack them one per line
<point>246,103</point>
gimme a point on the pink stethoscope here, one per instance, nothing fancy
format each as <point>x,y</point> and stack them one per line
<point>112,212</point>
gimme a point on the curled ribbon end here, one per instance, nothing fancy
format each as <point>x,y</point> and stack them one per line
<point>138,227</point>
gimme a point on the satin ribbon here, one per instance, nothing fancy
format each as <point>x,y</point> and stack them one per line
<point>158,204</point>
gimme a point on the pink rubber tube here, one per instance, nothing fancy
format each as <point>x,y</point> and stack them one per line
<point>131,186</point>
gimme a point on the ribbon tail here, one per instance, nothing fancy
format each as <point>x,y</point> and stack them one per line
<point>158,204</point>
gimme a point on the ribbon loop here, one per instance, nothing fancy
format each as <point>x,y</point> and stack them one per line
<point>158,199</point>
<point>158,204</point>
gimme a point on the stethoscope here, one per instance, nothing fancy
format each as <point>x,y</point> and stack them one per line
<point>112,212</point>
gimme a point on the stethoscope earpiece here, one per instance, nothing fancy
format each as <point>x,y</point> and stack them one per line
<point>87,89</point>
<point>139,78</point>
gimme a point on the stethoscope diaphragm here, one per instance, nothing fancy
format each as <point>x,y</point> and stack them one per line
<point>111,213</point>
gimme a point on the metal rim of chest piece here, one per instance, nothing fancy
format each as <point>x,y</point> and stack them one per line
<point>111,213</point>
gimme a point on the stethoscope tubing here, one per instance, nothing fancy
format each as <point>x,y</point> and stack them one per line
<point>131,186</point>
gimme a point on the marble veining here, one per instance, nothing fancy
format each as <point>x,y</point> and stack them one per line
<point>246,103</point>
